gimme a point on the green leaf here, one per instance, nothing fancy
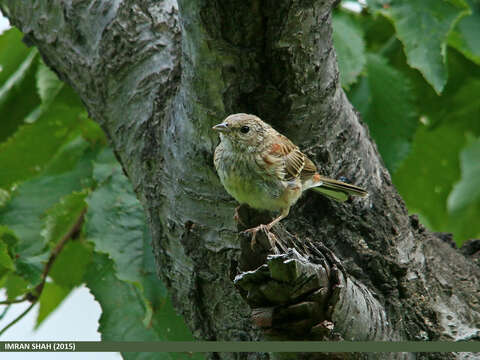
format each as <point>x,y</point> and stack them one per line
<point>423,28</point>
<point>63,216</point>
<point>379,32</point>
<point>30,201</point>
<point>465,37</point>
<point>464,200</point>
<point>48,84</point>
<point>350,49</point>
<point>17,77</point>
<point>124,311</point>
<point>6,262</point>
<point>52,295</point>
<point>69,268</point>
<point>91,131</point>
<point>31,267</point>
<point>467,191</point>
<point>67,172</point>
<point>167,324</point>
<point>4,197</point>
<point>27,152</point>
<point>15,286</point>
<point>384,98</point>
<point>17,95</point>
<point>48,87</point>
<point>106,165</point>
<point>125,280</point>
<point>9,238</point>
<point>164,319</point>
<point>463,223</point>
<point>8,243</point>
<point>12,52</point>
<point>115,222</point>
<point>427,176</point>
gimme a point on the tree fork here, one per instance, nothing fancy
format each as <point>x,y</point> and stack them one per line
<point>157,77</point>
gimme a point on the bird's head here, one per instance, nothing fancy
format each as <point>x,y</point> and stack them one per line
<point>244,132</point>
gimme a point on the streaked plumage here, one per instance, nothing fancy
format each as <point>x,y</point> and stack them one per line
<point>260,167</point>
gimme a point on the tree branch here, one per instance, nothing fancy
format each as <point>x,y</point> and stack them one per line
<point>157,77</point>
<point>17,319</point>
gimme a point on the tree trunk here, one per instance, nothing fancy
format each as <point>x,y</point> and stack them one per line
<point>158,76</point>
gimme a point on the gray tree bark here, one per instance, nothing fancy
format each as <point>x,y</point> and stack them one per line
<point>157,76</point>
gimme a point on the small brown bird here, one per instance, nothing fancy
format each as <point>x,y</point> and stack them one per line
<point>263,169</point>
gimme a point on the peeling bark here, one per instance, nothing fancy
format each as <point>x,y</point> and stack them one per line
<point>157,76</point>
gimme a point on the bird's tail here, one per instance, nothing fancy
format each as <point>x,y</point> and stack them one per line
<point>337,190</point>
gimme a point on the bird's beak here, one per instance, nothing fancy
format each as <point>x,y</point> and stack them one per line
<point>222,127</point>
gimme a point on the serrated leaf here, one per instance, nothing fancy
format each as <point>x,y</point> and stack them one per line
<point>423,28</point>
<point>64,174</point>
<point>465,37</point>
<point>63,216</point>
<point>350,49</point>
<point>48,84</point>
<point>467,192</point>
<point>25,212</point>
<point>70,266</point>
<point>115,221</point>
<point>124,310</point>
<point>52,296</point>
<point>116,225</point>
<point>384,98</point>
<point>15,286</point>
<point>31,267</point>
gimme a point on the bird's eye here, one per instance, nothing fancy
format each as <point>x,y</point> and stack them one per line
<point>244,129</point>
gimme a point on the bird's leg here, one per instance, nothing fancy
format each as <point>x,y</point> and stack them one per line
<point>236,216</point>
<point>266,228</point>
<point>282,215</point>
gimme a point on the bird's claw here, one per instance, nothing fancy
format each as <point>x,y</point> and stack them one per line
<point>272,239</point>
<point>254,232</point>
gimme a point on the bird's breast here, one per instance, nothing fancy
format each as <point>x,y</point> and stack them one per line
<point>249,184</point>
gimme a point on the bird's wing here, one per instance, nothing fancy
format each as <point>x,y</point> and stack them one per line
<point>309,169</point>
<point>284,159</point>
